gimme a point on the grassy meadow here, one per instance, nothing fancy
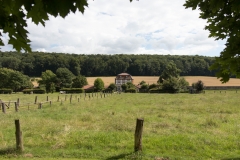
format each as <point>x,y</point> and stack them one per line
<point>176,126</point>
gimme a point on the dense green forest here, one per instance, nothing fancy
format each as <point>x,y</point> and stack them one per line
<point>33,64</point>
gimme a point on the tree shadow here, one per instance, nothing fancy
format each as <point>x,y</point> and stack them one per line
<point>8,151</point>
<point>120,156</point>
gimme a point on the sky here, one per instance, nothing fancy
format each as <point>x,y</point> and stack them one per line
<point>161,27</point>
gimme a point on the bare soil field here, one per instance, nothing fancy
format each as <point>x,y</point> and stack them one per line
<point>208,81</point>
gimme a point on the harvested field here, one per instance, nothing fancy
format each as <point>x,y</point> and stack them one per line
<point>212,81</point>
<point>208,81</point>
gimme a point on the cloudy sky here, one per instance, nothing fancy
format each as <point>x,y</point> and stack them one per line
<point>118,26</point>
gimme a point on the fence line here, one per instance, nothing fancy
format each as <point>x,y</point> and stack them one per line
<point>26,105</point>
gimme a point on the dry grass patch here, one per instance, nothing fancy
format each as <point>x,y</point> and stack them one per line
<point>208,81</point>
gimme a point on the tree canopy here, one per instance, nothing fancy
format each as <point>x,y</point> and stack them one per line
<point>64,77</point>
<point>33,64</point>
<point>79,81</point>
<point>171,70</point>
<point>48,78</point>
<point>14,15</point>
<point>223,18</point>
<point>98,84</point>
<point>13,79</point>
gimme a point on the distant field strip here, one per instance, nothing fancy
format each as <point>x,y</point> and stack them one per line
<point>208,81</point>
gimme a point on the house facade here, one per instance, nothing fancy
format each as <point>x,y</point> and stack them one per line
<point>121,79</point>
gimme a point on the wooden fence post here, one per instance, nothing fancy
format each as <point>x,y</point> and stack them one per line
<point>19,139</point>
<point>50,103</point>
<point>9,102</point>
<point>138,135</point>
<point>16,106</point>
<point>70,98</point>
<point>65,97</point>
<point>58,99</point>
<point>47,98</point>
<point>18,102</point>
<point>40,106</point>
<point>35,100</point>
<point>3,108</point>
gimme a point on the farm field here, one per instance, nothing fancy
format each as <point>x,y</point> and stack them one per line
<point>176,126</point>
<point>208,81</point>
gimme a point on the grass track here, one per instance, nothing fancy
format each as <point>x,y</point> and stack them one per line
<point>178,126</point>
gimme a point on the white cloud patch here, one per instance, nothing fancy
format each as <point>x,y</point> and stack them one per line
<point>140,27</point>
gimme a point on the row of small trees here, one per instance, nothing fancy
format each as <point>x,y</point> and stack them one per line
<point>63,78</point>
<point>170,81</point>
<point>14,80</point>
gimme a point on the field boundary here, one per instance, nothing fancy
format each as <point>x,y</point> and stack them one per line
<point>6,107</point>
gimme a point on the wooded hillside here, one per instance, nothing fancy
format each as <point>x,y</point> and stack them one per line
<point>33,64</point>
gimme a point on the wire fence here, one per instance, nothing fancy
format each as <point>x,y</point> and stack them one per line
<point>15,106</point>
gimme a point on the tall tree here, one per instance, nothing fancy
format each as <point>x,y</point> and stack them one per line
<point>48,79</point>
<point>98,84</point>
<point>13,79</point>
<point>171,70</point>
<point>223,23</point>
<point>79,82</point>
<point>64,77</point>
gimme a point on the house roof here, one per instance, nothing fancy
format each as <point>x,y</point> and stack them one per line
<point>88,87</point>
<point>124,74</point>
<point>138,86</point>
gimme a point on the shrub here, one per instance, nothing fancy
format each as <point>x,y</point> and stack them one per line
<point>89,91</point>
<point>124,87</point>
<point>171,85</point>
<point>35,91</point>
<point>73,90</point>
<point>112,87</point>
<point>151,86</point>
<point>155,90</point>
<point>199,86</point>
<point>131,90</point>
<point>144,86</point>
<point>5,91</point>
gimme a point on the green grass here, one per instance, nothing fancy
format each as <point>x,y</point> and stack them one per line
<point>176,126</point>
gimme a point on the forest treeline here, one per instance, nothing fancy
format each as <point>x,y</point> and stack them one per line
<point>33,64</point>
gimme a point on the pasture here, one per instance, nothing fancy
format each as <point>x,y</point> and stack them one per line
<point>176,126</point>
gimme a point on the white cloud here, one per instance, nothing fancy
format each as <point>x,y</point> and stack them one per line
<point>140,27</point>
